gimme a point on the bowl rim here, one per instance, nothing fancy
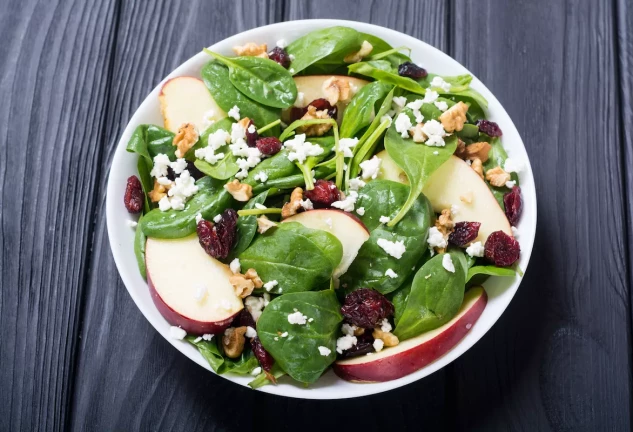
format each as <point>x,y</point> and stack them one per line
<point>128,270</point>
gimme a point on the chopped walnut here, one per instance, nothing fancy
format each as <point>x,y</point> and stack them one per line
<point>388,338</point>
<point>478,167</point>
<point>242,286</point>
<point>479,150</point>
<point>158,192</point>
<point>251,274</point>
<point>460,149</point>
<point>315,129</point>
<point>418,135</point>
<point>445,225</point>
<point>185,138</point>
<point>240,191</point>
<point>292,207</point>
<point>497,176</point>
<point>244,122</point>
<point>251,49</point>
<point>467,198</point>
<point>264,224</point>
<point>233,341</point>
<point>453,119</point>
<point>337,89</point>
<point>359,331</point>
<point>364,51</point>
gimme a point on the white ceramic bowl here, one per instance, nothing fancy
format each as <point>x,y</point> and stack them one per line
<point>500,290</point>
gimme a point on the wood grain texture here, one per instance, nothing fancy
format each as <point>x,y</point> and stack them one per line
<point>558,359</point>
<point>54,81</point>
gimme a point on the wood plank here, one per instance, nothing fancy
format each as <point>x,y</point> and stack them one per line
<point>558,359</point>
<point>54,78</point>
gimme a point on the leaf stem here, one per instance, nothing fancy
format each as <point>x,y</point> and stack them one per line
<point>268,126</point>
<point>307,176</point>
<point>255,212</point>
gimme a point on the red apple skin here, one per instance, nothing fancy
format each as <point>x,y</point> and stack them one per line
<point>415,358</point>
<point>191,326</point>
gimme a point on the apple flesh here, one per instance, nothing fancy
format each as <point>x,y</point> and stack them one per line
<point>454,183</point>
<point>190,288</point>
<point>187,100</point>
<point>346,227</point>
<point>415,353</point>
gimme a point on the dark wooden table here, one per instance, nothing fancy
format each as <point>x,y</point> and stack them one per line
<point>75,352</point>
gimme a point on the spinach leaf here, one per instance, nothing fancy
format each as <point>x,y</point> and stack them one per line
<point>323,49</point>
<point>262,379</point>
<point>298,258</point>
<point>490,270</point>
<point>276,167</point>
<point>360,111</point>
<point>418,161</point>
<point>261,79</point>
<point>435,299</point>
<point>381,70</point>
<point>144,168</point>
<point>139,249</point>
<point>246,227</point>
<point>203,140</point>
<point>149,140</point>
<point>222,170</point>
<point>298,353</point>
<point>220,364</point>
<point>295,180</point>
<point>385,198</point>
<point>210,200</point>
<point>216,78</point>
<point>380,47</point>
<point>399,300</point>
<point>497,157</point>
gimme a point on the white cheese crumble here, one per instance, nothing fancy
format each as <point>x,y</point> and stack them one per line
<point>217,218</point>
<point>384,219</point>
<point>510,184</point>
<point>164,204</point>
<point>267,300</point>
<point>300,149</point>
<point>447,263</point>
<point>441,105</point>
<point>256,371</point>
<point>207,119</point>
<point>403,124</point>
<point>438,82</point>
<point>415,107</point>
<point>346,145</point>
<point>385,325</point>
<point>199,218</point>
<point>324,351</point>
<point>512,165</point>
<point>218,139</point>
<point>254,305</point>
<point>261,176</point>
<point>398,102</point>
<point>430,96</point>
<point>515,232</point>
<point>177,333</point>
<point>360,211</point>
<point>260,206</point>
<point>235,265</point>
<point>251,129</point>
<point>435,133</point>
<point>356,183</point>
<point>297,318</point>
<point>208,155</point>
<point>291,57</point>
<point>436,152</point>
<point>387,119</point>
<point>475,249</point>
<point>395,249</point>
<point>378,345</point>
<point>201,292</point>
<point>131,223</point>
<point>198,339</point>
<point>370,168</point>
<point>250,332</point>
<point>207,337</point>
<point>284,334</point>
<point>392,274</point>
<point>348,329</point>
<point>436,239</point>
<point>161,163</point>
<point>282,43</point>
<point>184,186</point>
<point>310,319</point>
<point>270,285</point>
<point>348,203</point>
<point>454,209</point>
<point>178,166</point>
<point>345,342</point>
<point>307,204</point>
<point>163,181</point>
<point>234,113</point>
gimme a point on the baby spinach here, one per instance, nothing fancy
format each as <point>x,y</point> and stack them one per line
<point>435,297</point>
<point>327,144</point>
<point>360,111</point>
<point>220,364</point>
<point>262,379</point>
<point>222,170</point>
<point>275,167</point>
<point>298,352</point>
<point>149,140</point>
<point>323,49</point>
<point>139,250</point>
<point>399,300</point>
<point>261,79</point>
<point>497,157</point>
<point>144,168</point>
<point>380,47</point>
<point>385,198</point>
<point>203,140</point>
<point>490,270</point>
<point>216,77</point>
<point>298,258</point>
<point>247,227</point>
<point>418,161</point>
<point>382,70</point>
<point>210,200</point>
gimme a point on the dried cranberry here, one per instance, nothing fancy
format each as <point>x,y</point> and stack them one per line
<point>218,240</point>
<point>501,249</point>
<point>251,137</point>
<point>263,356</point>
<point>489,128</point>
<point>280,55</point>
<point>324,194</point>
<point>464,233</point>
<point>412,70</point>
<point>513,204</point>
<point>245,319</point>
<point>364,345</point>
<point>134,196</point>
<point>269,145</point>
<point>366,307</point>
<point>319,104</point>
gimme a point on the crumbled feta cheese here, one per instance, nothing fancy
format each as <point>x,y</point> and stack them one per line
<point>161,163</point>
<point>378,345</point>
<point>276,338</point>
<point>297,318</point>
<point>261,176</point>
<point>251,129</point>
<point>395,249</point>
<point>512,165</point>
<point>435,133</point>
<point>385,325</point>
<point>475,249</point>
<point>392,274</point>
<point>131,223</point>
<point>307,204</point>
<point>348,203</point>
<point>300,102</point>
<point>217,218</point>
<point>438,82</point>
<point>184,186</point>
<point>454,209</point>
<point>256,371</point>
<point>356,183</point>
<point>403,124</point>
<point>346,145</point>
<point>254,305</point>
<point>267,300</point>
<point>270,285</point>
<point>430,96</point>
<point>300,149</point>
<point>250,332</point>
<point>208,155</point>
<point>441,105</point>
<point>207,337</point>
<point>177,203</point>
<point>178,166</point>
<point>164,204</point>
<point>198,339</point>
<point>291,70</point>
<point>370,168</point>
<point>291,57</point>
<point>447,263</point>
<point>310,319</point>
<point>348,329</point>
<point>284,334</point>
<point>384,219</point>
<point>164,181</point>
<point>398,102</point>
<point>201,292</point>
<point>218,139</point>
<point>234,113</point>
<point>415,107</point>
<point>515,232</point>
<point>510,184</point>
<point>177,333</point>
<point>260,206</point>
<point>436,239</point>
<point>360,211</point>
<point>324,351</point>
<point>281,43</point>
<point>199,218</point>
<point>345,342</point>
<point>235,266</point>
<point>207,119</point>
<point>436,152</point>
<point>387,119</point>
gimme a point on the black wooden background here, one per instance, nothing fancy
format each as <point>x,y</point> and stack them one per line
<point>76,354</point>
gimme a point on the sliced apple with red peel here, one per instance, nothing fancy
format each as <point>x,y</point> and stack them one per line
<point>415,353</point>
<point>187,100</point>
<point>190,288</point>
<point>456,183</point>
<point>346,227</point>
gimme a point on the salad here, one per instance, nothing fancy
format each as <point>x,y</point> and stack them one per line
<point>325,204</point>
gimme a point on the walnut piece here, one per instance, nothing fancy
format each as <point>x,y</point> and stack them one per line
<point>478,150</point>
<point>388,338</point>
<point>315,129</point>
<point>445,225</point>
<point>359,331</point>
<point>497,176</point>
<point>337,89</point>
<point>477,166</point>
<point>264,224</point>
<point>185,138</point>
<point>292,207</point>
<point>242,286</point>
<point>240,191</point>
<point>364,51</point>
<point>233,341</point>
<point>244,122</point>
<point>251,49</point>
<point>453,119</point>
<point>418,135</point>
<point>251,274</point>
<point>158,192</point>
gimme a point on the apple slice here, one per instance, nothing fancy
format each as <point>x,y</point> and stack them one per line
<point>415,353</point>
<point>346,227</point>
<point>311,86</point>
<point>187,100</point>
<point>454,183</point>
<point>190,288</point>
